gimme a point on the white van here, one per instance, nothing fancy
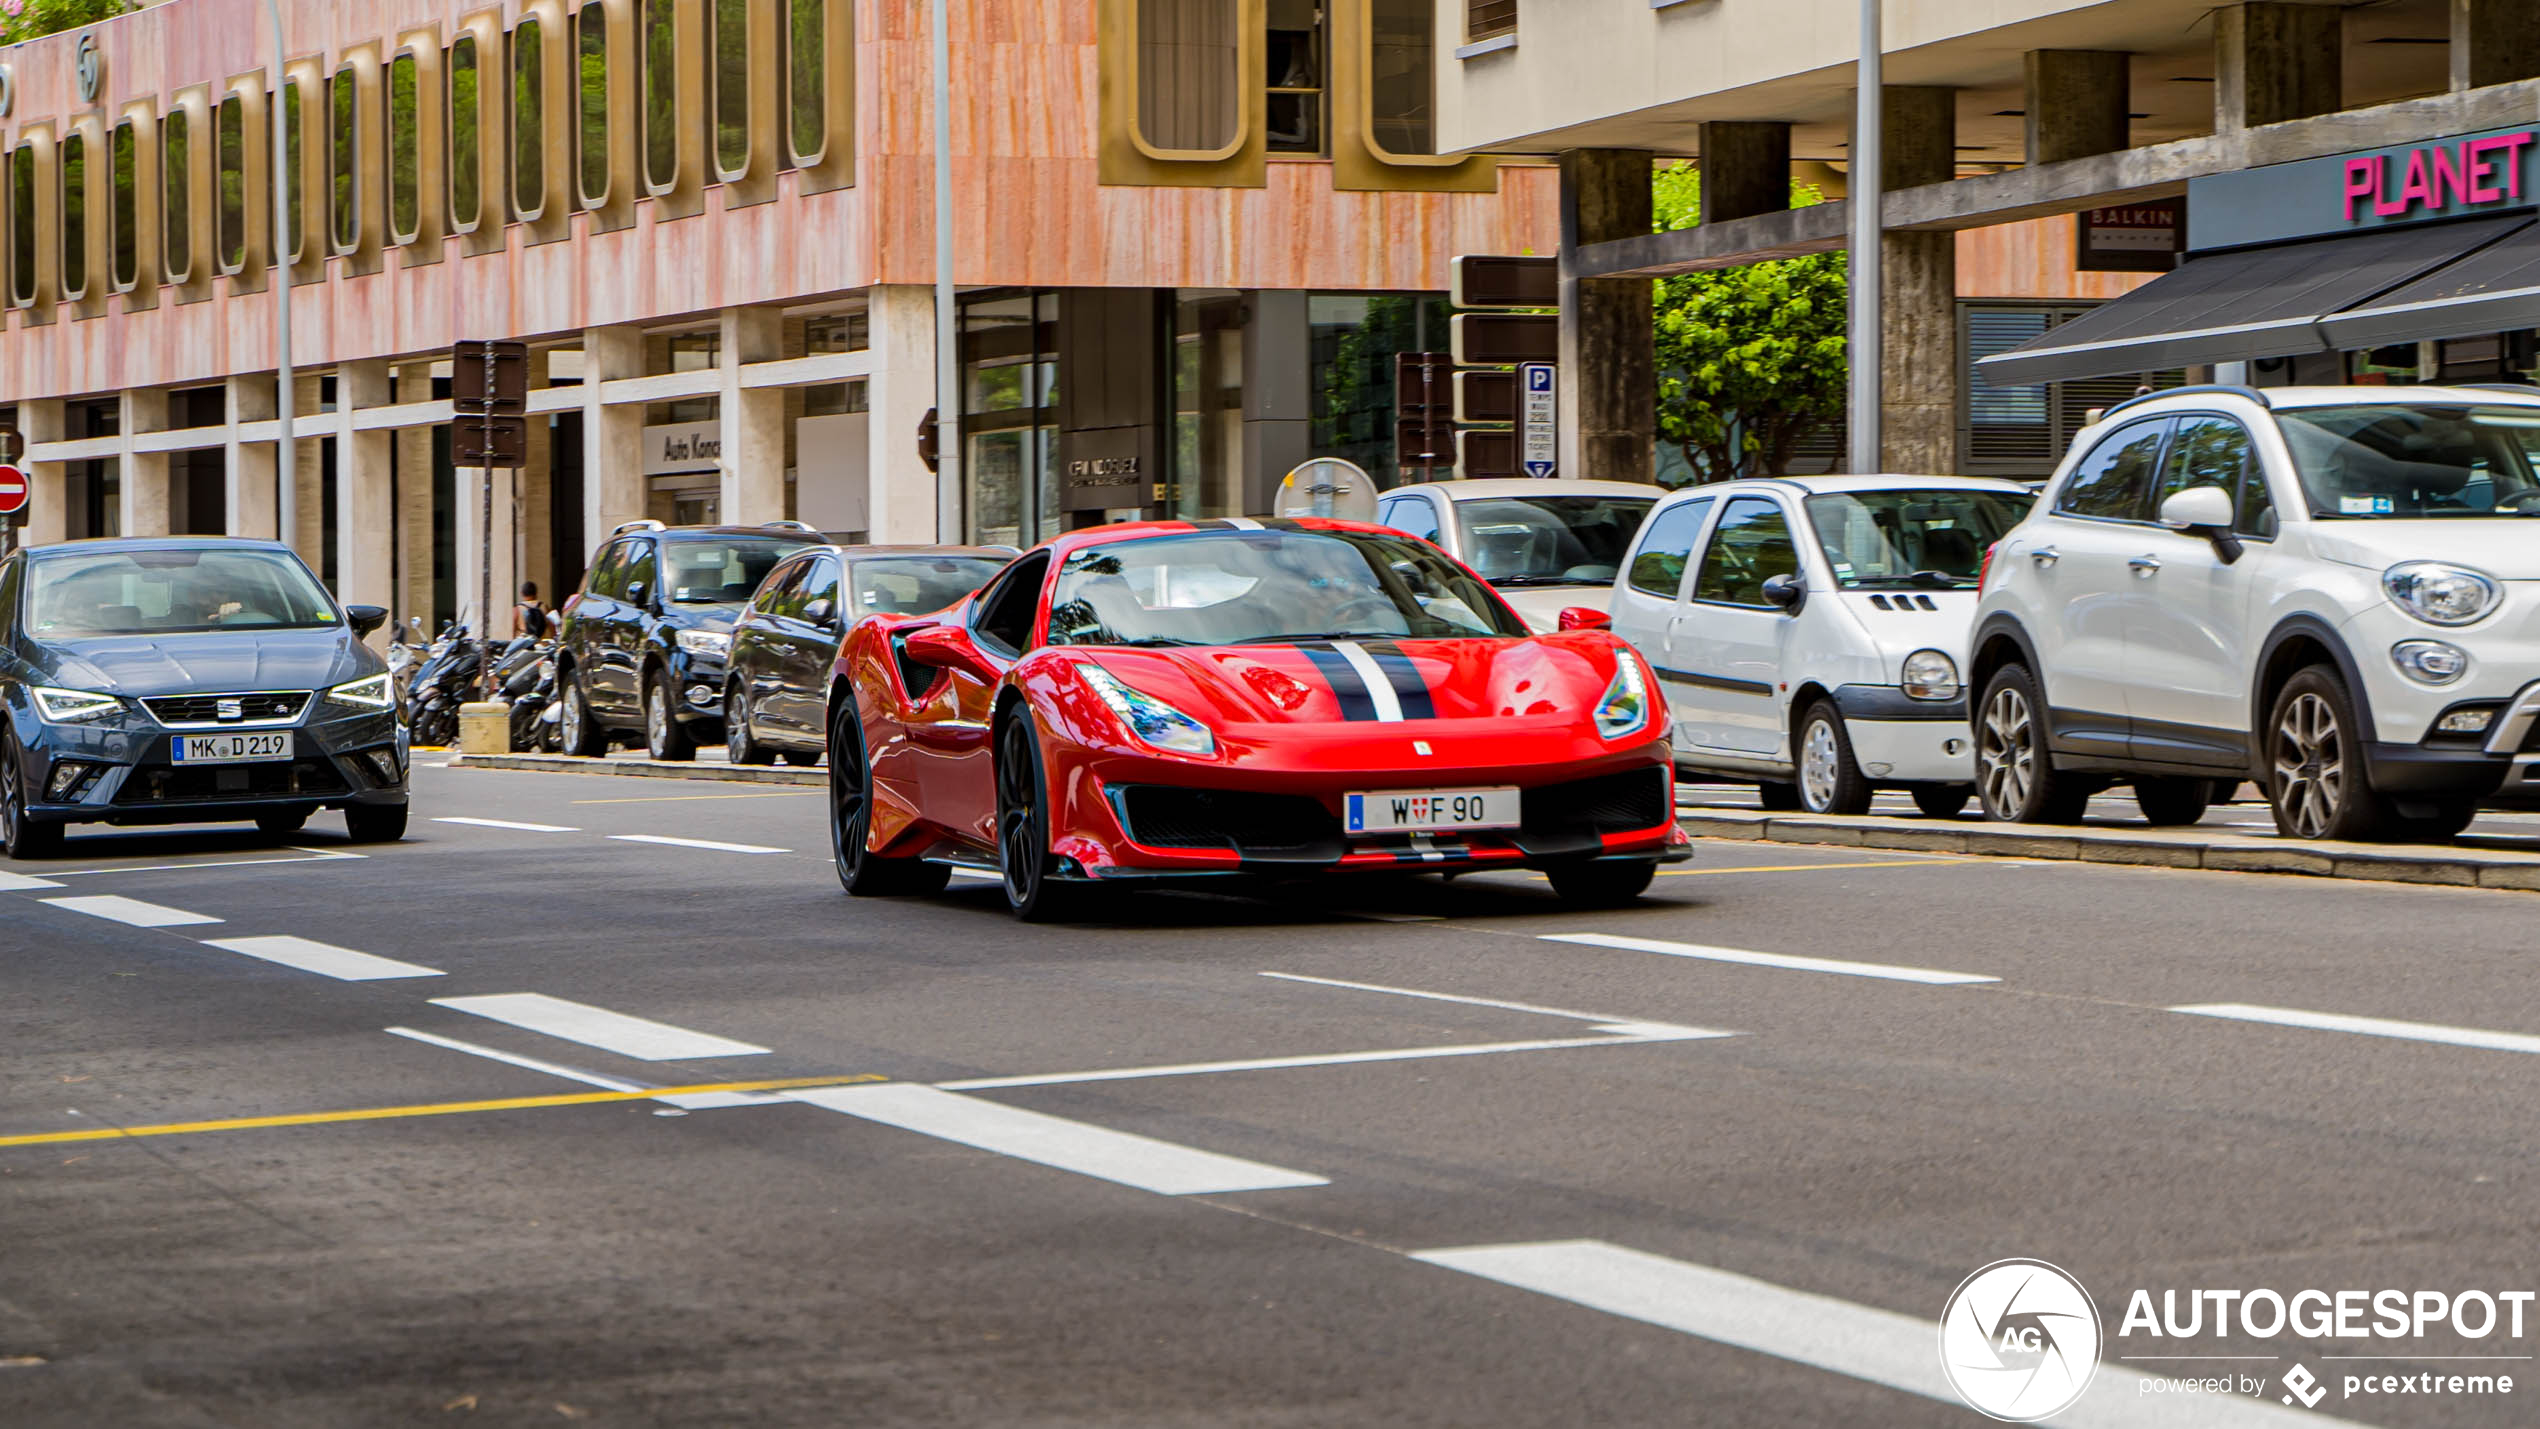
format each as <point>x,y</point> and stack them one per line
<point>1809,631</point>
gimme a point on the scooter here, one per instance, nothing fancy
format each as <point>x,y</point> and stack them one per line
<point>444,680</point>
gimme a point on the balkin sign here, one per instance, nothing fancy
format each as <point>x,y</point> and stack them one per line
<point>2472,175</point>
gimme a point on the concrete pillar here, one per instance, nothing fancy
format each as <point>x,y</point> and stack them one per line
<point>533,544</point>
<point>2275,61</point>
<point>1608,380</point>
<point>1920,375</point>
<point>472,548</point>
<point>308,475</point>
<point>753,419</point>
<point>2078,102</point>
<point>2493,42</point>
<point>365,505</point>
<point>901,490</point>
<point>1745,169</point>
<point>144,479</point>
<point>412,591</point>
<point>48,511</point>
<point>613,486</point>
<point>249,466</point>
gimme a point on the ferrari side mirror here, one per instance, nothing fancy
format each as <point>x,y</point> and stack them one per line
<point>1584,617</point>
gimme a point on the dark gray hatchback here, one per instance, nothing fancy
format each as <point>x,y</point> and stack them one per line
<point>185,680</point>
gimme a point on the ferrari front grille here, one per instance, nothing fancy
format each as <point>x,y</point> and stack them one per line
<point>1607,804</point>
<point>1255,825</point>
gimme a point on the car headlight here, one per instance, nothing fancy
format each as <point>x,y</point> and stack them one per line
<point>706,642</point>
<point>1150,719</point>
<point>2442,594</point>
<point>72,706</point>
<point>372,692</point>
<point>1930,675</point>
<point>1624,707</point>
<point>2430,661</point>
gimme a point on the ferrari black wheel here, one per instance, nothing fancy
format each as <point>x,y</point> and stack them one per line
<point>1023,826</point>
<point>861,871</point>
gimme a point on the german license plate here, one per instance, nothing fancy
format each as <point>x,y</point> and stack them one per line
<point>233,748</point>
<point>1428,811</point>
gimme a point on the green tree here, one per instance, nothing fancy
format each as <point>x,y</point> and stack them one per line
<point>22,20</point>
<point>1749,359</point>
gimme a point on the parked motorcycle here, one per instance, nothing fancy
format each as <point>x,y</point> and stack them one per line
<point>526,673</point>
<point>443,680</point>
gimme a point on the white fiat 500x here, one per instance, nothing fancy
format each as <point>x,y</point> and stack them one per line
<point>2334,591</point>
<point>1809,631</point>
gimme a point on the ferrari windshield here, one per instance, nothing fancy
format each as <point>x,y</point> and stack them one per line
<point>2394,459</point>
<point>1256,587</point>
<point>1931,539</point>
<point>1549,540</point>
<point>172,592</point>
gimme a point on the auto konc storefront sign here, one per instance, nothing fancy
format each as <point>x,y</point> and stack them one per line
<point>2494,171</point>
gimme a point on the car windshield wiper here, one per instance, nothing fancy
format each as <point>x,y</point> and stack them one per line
<point>1140,642</point>
<point>1296,636</point>
<point>1509,582</point>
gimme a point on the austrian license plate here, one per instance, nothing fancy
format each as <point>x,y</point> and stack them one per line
<point>1428,811</point>
<point>233,748</point>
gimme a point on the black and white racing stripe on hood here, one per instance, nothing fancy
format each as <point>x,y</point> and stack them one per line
<point>1373,680</point>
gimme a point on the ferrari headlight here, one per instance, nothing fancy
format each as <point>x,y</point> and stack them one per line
<point>1930,675</point>
<point>712,643</point>
<point>2441,594</point>
<point>73,706</point>
<point>1624,708</point>
<point>373,692</point>
<point>1150,719</point>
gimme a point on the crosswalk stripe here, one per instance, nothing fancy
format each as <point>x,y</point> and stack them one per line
<point>324,959</point>
<point>1790,962</point>
<point>638,1037</point>
<point>1117,1156</point>
<point>713,844</point>
<point>509,824</point>
<point>2366,1026</point>
<point>117,908</point>
<point>1879,1346</point>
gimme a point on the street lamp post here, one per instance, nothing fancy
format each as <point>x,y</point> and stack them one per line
<point>1865,190</point>
<point>947,339</point>
<point>286,450</point>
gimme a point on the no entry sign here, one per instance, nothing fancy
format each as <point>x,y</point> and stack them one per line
<point>12,491</point>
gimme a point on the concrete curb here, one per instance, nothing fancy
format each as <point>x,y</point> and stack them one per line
<point>2450,866</point>
<point>644,768</point>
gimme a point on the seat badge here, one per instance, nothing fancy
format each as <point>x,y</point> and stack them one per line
<point>1421,746</point>
<point>230,709</point>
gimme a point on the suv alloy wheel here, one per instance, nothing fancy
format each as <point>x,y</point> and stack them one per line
<point>2015,774</point>
<point>665,738</point>
<point>2316,782</point>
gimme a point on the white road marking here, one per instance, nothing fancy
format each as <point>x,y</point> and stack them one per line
<point>130,910</point>
<point>1890,971</point>
<point>509,824</point>
<point>18,882</point>
<point>1119,1156</point>
<point>1447,997</point>
<point>1879,1346</point>
<point>696,843</point>
<point>637,1037</point>
<point>2367,1026</point>
<point>693,1101</point>
<point>324,959</point>
<point>1619,1034</point>
<point>315,855</point>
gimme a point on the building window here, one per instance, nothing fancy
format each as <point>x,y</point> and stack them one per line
<point>2023,431</point>
<point>1009,416</point>
<point>731,87</point>
<point>1355,338</point>
<point>229,143</point>
<point>1188,82</point>
<point>75,216</point>
<point>661,94</point>
<point>176,167</point>
<point>840,332</point>
<point>1487,19</point>
<point>298,168</point>
<point>807,79</point>
<point>343,197</point>
<point>1206,464</point>
<point>22,224</point>
<point>591,81</point>
<point>529,121</point>
<point>467,152</point>
<point>126,211</point>
<point>405,156</point>
<point>1401,88</point>
<point>1295,76</point>
<point>834,398</point>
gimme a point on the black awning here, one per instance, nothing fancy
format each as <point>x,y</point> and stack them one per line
<point>2494,289</point>
<point>2231,307</point>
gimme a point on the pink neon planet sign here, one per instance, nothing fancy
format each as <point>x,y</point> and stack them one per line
<point>2433,177</point>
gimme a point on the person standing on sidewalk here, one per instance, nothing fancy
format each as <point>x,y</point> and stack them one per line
<point>529,617</point>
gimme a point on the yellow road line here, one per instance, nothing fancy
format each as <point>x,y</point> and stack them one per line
<point>389,1113</point>
<point>682,798</point>
<point>1810,867</point>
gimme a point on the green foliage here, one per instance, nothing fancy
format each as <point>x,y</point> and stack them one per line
<point>22,20</point>
<point>1749,359</point>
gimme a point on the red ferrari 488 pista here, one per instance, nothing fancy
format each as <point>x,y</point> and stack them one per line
<point>1193,699</point>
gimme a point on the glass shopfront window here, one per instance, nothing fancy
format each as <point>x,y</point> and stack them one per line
<point>1207,463</point>
<point>1354,341</point>
<point>1009,418</point>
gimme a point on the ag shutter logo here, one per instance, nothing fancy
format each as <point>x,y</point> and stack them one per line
<point>2019,1340</point>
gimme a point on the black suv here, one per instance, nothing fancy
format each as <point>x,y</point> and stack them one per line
<point>184,680</point>
<point>645,641</point>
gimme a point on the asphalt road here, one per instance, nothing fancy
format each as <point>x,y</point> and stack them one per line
<point>1686,1184</point>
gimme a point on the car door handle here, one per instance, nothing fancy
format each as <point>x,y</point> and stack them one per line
<point>2144,565</point>
<point>2045,555</point>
